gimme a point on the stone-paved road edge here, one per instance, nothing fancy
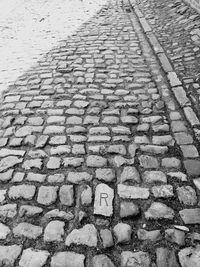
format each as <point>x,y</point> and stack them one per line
<point>98,166</point>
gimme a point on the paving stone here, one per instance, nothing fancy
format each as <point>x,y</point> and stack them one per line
<point>33,163</point>
<point>129,120</point>
<point>132,148</point>
<point>37,154</point>
<point>9,162</point>
<point>121,130</point>
<point>154,149</point>
<point>189,256</point>
<point>8,254</point>
<point>47,195</point>
<point>128,209</point>
<point>148,162</point>
<point>187,195</point>
<point>22,191</point>
<point>175,236</point>
<point>4,152</point>
<point>122,232</point>
<point>87,235</point>
<point>28,130</point>
<point>102,260</point>
<point>4,231</point>
<point>163,140</point>
<point>105,174</point>
<point>78,177</point>
<point>166,257</point>
<point>190,216</point>
<point>129,174</point>
<point>191,116</point>
<point>72,259</point>
<point>56,119</point>
<point>96,161</point>
<point>139,259</point>
<point>189,151</point>
<point>159,210</point>
<point>74,162</point>
<point>74,120</point>
<point>78,149</point>
<point>107,239</point>
<point>54,231</point>
<point>192,167</point>
<point>183,138</point>
<point>86,195</point>
<point>54,129</point>
<point>171,162</point>
<point>153,236</point>
<point>56,178</point>
<point>103,203</point>
<point>29,211</point>
<point>55,213</point>
<point>132,192</point>
<point>2,195</point>
<point>154,176</point>
<point>35,177</point>
<point>35,121</point>
<point>66,195</point>
<point>27,230</point>
<point>178,175</point>
<point>41,141</point>
<point>54,163</point>
<point>162,191</point>
<point>58,140</point>
<point>33,258</point>
<point>8,210</point>
<point>59,150</point>
<point>6,176</point>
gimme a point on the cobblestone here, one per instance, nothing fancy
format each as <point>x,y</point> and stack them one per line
<point>99,163</point>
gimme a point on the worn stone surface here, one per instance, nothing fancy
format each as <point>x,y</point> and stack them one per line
<point>33,258</point>
<point>99,165</point>
<point>72,259</point>
<point>189,256</point>
<point>103,203</point>
<point>85,236</point>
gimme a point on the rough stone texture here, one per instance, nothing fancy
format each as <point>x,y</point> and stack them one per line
<point>122,232</point>
<point>103,203</point>
<point>66,195</point>
<point>28,230</point>
<point>154,235</point>
<point>140,259</point>
<point>72,259</point>
<point>187,195</point>
<point>189,256</point>
<point>8,254</point>
<point>135,139</point>
<point>158,210</point>
<point>85,236</point>
<point>33,258</point>
<point>166,257</point>
<point>128,209</point>
<point>132,192</point>
<point>54,231</point>
<point>47,195</point>
<point>107,238</point>
<point>102,261</point>
<point>190,216</point>
<point>129,174</point>
<point>8,162</point>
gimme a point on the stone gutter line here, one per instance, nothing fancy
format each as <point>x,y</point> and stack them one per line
<point>175,84</point>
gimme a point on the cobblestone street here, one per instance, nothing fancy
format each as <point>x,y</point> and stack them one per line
<point>99,148</point>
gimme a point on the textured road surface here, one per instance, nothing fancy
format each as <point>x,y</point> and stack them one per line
<point>98,164</point>
<point>30,28</point>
